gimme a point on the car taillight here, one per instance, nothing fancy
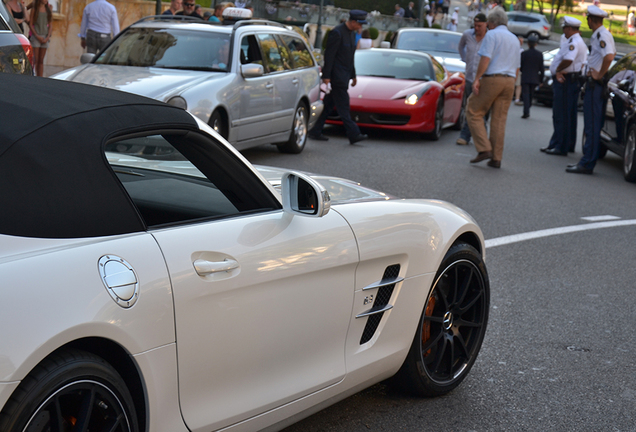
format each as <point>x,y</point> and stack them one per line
<point>26,45</point>
<point>546,28</point>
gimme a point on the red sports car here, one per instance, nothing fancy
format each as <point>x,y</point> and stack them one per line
<point>405,90</point>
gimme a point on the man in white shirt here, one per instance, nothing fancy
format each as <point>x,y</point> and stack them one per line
<point>566,71</point>
<point>602,53</point>
<point>99,25</point>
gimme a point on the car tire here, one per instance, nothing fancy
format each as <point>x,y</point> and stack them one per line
<point>534,33</point>
<point>299,132</point>
<point>452,326</point>
<point>219,123</point>
<point>436,133</point>
<point>461,119</point>
<point>629,162</point>
<point>71,387</point>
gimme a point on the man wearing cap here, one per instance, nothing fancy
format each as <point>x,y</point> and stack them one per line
<point>531,73</point>
<point>468,48</point>
<point>566,70</point>
<point>337,72</point>
<point>493,88</point>
<point>602,53</point>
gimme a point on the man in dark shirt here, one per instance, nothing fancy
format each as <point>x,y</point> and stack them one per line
<point>189,9</point>
<point>531,73</point>
<point>337,71</point>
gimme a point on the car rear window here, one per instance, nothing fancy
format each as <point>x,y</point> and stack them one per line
<point>168,48</point>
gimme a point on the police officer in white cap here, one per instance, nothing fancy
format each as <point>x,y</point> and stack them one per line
<point>566,71</point>
<point>602,53</point>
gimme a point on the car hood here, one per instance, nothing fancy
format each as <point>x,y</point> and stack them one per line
<point>156,83</point>
<point>384,88</point>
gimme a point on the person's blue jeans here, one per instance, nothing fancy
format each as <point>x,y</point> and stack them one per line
<point>465,132</point>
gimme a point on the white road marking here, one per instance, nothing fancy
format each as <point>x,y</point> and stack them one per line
<point>600,218</point>
<point>515,238</point>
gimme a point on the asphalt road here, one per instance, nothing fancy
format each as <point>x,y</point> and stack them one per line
<point>559,353</point>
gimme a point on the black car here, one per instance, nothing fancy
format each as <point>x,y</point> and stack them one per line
<point>619,129</point>
<point>16,53</point>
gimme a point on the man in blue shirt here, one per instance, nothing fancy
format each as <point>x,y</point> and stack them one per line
<point>493,88</point>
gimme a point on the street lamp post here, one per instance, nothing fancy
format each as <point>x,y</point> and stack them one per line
<point>158,8</point>
<point>318,41</point>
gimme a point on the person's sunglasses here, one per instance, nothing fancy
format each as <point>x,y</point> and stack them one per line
<point>189,4</point>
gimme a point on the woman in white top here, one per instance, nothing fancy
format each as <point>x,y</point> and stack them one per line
<point>365,41</point>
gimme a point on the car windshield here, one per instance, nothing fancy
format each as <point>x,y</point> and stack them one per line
<point>390,64</point>
<point>169,48</point>
<point>429,41</point>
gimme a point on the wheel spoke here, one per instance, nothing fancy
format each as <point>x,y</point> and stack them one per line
<point>440,356</point>
<point>461,344</point>
<point>57,420</point>
<point>431,342</point>
<point>85,411</point>
<point>434,319</point>
<point>465,285</point>
<point>471,303</point>
<point>117,422</point>
<point>464,323</point>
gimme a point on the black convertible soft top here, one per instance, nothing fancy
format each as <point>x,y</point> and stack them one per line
<point>54,179</point>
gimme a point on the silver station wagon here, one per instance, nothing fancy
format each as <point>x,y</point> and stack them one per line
<point>255,82</point>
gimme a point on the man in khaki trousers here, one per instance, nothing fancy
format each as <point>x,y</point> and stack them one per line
<point>493,88</point>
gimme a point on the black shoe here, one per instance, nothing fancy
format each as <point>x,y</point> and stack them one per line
<point>525,116</point>
<point>572,165</point>
<point>494,163</point>
<point>320,137</point>
<point>359,138</point>
<point>481,156</point>
<point>555,152</point>
<point>577,169</point>
<point>544,149</point>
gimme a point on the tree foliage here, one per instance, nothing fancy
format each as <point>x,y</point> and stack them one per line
<point>386,7</point>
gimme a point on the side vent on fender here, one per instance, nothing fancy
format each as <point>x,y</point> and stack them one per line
<point>381,304</point>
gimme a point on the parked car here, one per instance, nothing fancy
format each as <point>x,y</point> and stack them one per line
<point>442,44</point>
<point>16,53</point>
<point>153,280</point>
<point>619,130</point>
<point>255,82</point>
<point>527,24</point>
<point>405,90</point>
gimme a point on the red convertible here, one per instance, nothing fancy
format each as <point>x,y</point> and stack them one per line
<point>405,90</point>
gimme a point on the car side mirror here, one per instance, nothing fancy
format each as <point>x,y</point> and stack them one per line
<point>252,70</point>
<point>385,44</point>
<point>304,196</point>
<point>87,58</point>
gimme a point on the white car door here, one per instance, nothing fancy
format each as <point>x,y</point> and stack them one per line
<point>263,298</point>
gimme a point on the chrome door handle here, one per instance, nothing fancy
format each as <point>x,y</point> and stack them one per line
<point>295,81</point>
<point>204,267</point>
<point>269,86</point>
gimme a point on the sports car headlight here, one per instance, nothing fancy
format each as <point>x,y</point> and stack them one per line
<point>411,99</point>
<point>178,101</point>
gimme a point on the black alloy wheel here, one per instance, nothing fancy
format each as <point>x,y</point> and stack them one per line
<point>70,391</point>
<point>452,326</point>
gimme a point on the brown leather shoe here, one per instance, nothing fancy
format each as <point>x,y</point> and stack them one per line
<point>493,163</point>
<point>481,156</point>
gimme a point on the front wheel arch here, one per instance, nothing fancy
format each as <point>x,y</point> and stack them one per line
<point>56,391</point>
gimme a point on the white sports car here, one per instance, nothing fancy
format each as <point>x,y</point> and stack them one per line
<point>153,280</point>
